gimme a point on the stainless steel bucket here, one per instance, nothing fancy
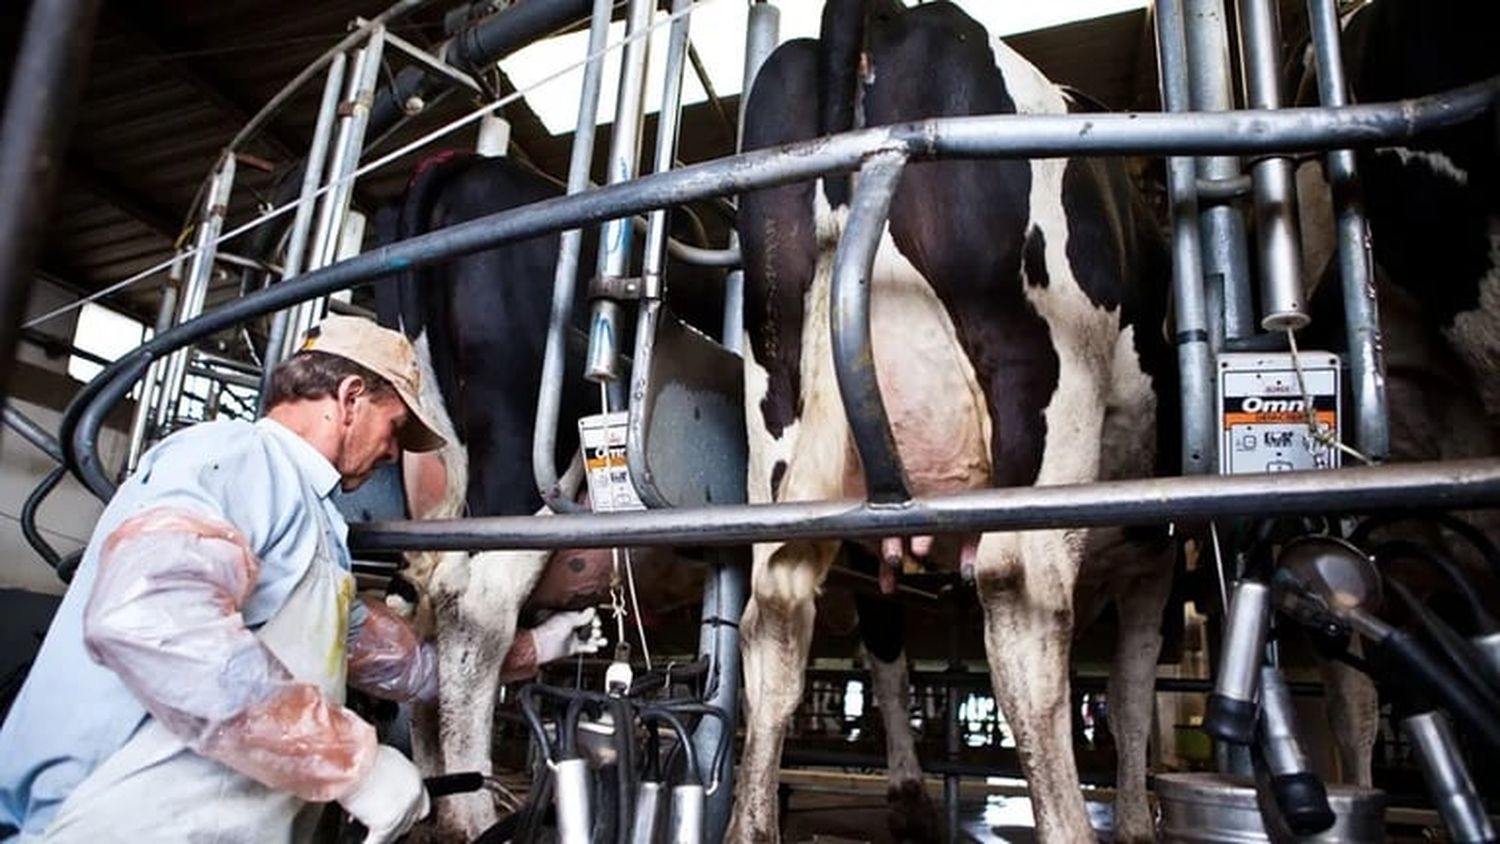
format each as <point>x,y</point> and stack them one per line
<point>1222,808</point>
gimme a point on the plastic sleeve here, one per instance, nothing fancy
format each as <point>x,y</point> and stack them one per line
<point>386,659</point>
<point>164,615</point>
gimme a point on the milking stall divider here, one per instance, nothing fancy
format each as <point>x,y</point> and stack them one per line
<point>696,495</point>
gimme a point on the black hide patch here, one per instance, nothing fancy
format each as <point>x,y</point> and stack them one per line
<point>777,230</point>
<point>1093,246</point>
<point>963,224</point>
<point>1035,258</point>
<point>778,472</point>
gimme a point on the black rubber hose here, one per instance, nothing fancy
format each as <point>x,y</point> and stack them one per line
<point>1460,528</point>
<point>684,740</point>
<point>1479,614</point>
<point>625,768</point>
<point>1402,650</point>
<point>1461,653</point>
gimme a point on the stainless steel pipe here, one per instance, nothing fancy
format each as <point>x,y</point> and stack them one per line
<point>549,398</point>
<point>277,345</point>
<point>603,362</point>
<point>1226,260</point>
<point>1282,302</point>
<point>1452,485</point>
<point>1361,314</point>
<point>1190,310</point>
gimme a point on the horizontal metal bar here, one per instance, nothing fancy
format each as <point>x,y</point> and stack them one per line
<point>1436,486</point>
<point>30,431</point>
<point>998,136</point>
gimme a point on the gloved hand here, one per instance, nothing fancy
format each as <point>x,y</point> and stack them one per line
<point>568,634</point>
<point>389,799</point>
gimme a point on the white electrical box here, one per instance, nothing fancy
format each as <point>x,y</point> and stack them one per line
<point>1263,411</point>
<point>602,438</point>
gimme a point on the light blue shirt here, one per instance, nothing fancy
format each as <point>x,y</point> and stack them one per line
<point>73,713</point>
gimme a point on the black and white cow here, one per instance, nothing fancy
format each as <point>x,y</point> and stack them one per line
<point>479,323</point>
<point>1017,315</point>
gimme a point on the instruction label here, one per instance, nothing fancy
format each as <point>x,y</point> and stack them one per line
<point>1263,411</point>
<point>602,438</point>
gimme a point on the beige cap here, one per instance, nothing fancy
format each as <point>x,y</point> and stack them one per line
<point>388,354</point>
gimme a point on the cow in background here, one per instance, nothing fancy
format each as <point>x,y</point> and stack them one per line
<point>1017,314</point>
<point>479,323</point>
<point>1433,207</point>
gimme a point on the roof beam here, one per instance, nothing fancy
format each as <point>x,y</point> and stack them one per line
<point>105,186</point>
<point>160,40</point>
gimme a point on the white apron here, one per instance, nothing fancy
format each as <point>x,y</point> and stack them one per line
<point>154,788</point>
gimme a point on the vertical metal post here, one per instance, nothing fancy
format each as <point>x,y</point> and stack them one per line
<point>724,593</point>
<point>348,146</point>
<point>44,84</point>
<point>1226,262</point>
<point>1275,189</point>
<point>603,364</point>
<point>952,738</point>
<point>667,125</point>
<point>726,587</point>
<point>151,394</point>
<point>317,154</point>
<point>1361,314</point>
<point>1194,361</point>
<point>761,34</point>
<point>549,398</point>
<point>200,274</point>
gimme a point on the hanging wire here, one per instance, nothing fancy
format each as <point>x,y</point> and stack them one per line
<point>1326,436</point>
<point>434,135</point>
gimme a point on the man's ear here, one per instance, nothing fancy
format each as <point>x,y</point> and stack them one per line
<point>351,388</point>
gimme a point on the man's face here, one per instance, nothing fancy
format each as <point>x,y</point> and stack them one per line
<point>370,427</point>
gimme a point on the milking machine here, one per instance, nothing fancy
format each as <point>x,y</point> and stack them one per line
<point>619,765</point>
<point>1334,590</point>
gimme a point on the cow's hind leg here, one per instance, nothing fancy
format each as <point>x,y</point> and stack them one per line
<point>1132,689</point>
<point>776,632</point>
<point>477,603</point>
<point>912,816</point>
<point>1025,584</point>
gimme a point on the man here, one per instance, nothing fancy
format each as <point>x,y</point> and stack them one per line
<point>191,685</point>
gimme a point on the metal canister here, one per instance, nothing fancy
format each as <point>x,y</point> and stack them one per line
<point>1223,808</point>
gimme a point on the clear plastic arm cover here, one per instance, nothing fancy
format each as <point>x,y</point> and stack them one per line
<point>387,660</point>
<point>165,616</point>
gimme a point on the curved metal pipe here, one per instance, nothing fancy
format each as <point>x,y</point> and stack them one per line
<point>991,136</point>
<point>849,315</point>
<point>29,509</point>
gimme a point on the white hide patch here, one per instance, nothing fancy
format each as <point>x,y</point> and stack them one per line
<point>1433,160</point>
<point>1084,337</point>
<point>1032,92</point>
<point>937,409</point>
<point>1475,334</point>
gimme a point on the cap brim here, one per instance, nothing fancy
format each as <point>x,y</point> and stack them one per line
<point>420,433</point>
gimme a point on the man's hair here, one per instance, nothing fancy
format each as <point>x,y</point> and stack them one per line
<point>311,375</point>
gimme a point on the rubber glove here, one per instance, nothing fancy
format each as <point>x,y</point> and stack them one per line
<point>389,799</point>
<point>568,634</point>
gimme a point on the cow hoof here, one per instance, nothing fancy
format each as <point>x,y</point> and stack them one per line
<point>911,815</point>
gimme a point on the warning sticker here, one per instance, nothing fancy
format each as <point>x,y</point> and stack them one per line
<point>602,438</point>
